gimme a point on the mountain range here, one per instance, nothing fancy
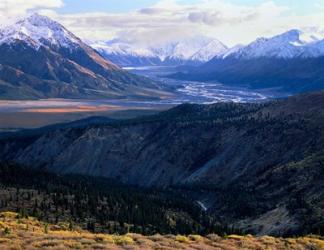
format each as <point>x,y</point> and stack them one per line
<point>292,61</point>
<point>192,51</point>
<point>308,43</point>
<point>42,59</point>
<point>256,166</point>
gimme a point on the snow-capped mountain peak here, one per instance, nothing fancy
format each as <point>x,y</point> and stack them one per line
<point>231,51</point>
<point>214,48</point>
<point>291,44</point>
<point>38,30</point>
<point>182,51</point>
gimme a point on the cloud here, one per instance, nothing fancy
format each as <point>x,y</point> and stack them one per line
<point>173,19</point>
<point>209,18</point>
<point>169,19</point>
<point>13,9</point>
<point>152,11</point>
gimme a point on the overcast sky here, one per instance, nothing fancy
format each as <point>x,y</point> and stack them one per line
<point>152,21</point>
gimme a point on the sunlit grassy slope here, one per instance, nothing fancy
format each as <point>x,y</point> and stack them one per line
<point>29,233</point>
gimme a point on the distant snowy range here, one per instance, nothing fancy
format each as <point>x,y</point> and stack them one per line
<point>41,59</point>
<point>192,51</point>
<point>285,64</point>
<point>307,43</point>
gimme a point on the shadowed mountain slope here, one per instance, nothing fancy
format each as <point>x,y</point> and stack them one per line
<point>241,160</point>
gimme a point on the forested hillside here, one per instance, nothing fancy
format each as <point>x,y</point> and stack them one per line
<point>101,205</point>
<point>256,167</point>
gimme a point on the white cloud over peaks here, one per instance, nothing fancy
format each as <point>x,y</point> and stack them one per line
<point>12,9</point>
<point>171,19</point>
<point>168,20</point>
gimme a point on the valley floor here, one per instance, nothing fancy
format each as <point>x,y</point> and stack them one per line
<point>29,233</point>
<point>20,114</point>
<point>15,115</point>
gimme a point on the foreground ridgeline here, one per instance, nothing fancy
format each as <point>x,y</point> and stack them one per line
<point>22,232</point>
<point>256,167</point>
